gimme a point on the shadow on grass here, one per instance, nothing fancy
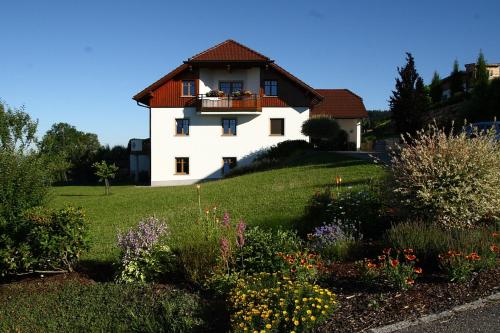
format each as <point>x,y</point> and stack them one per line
<point>97,270</point>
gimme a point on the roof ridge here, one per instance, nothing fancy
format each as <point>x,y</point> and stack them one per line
<point>226,42</point>
<point>339,89</point>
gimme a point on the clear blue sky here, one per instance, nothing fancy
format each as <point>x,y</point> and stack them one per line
<point>81,61</point>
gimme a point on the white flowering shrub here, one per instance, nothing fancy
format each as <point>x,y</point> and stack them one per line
<point>448,178</point>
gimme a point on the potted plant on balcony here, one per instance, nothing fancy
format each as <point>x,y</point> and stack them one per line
<point>215,93</point>
<point>247,93</point>
<point>237,93</point>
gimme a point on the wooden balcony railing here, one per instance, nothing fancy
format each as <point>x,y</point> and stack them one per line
<point>229,103</point>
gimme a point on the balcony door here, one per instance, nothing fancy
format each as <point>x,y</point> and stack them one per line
<point>229,87</point>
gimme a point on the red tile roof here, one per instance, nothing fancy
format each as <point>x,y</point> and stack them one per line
<point>340,103</point>
<point>229,50</point>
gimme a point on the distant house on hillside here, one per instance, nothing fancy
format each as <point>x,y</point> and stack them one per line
<point>222,106</point>
<point>468,77</point>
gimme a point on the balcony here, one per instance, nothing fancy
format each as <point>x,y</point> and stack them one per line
<point>229,104</point>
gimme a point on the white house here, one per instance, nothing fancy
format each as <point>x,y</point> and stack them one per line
<point>226,104</point>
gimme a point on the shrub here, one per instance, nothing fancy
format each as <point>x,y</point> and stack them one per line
<point>44,239</point>
<point>449,179</point>
<point>145,255</point>
<point>261,248</point>
<point>429,241</point>
<point>100,307</point>
<point>272,302</point>
<point>394,268</point>
<point>321,130</point>
<point>284,150</point>
<point>357,213</point>
<point>332,242</point>
<point>273,157</point>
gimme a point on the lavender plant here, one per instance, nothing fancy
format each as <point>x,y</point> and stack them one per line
<point>144,254</point>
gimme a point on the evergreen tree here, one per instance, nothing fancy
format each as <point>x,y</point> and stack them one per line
<point>456,80</point>
<point>481,78</point>
<point>409,103</point>
<point>435,88</point>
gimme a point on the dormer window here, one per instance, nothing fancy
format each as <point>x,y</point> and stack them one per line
<point>188,88</point>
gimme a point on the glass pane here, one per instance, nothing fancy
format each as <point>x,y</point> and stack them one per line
<point>185,126</point>
<point>185,90</point>
<point>274,90</point>
<point>237,86</point>
<point>186,165</point>
<point>178,126</point>
<point>233,126</point>
<point>192,88</point>
<point>225,87</point>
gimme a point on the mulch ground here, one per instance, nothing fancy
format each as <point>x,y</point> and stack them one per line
<point>362,307</point>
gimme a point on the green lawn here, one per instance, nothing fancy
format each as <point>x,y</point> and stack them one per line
<point>271,198</point>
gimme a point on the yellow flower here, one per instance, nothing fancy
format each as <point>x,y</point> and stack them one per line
<point>296,323</point>
<point>313,318</point>
<point>309,311</point>
<point>268,326</point>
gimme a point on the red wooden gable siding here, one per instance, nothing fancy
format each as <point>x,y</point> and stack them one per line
<point>168,95</point>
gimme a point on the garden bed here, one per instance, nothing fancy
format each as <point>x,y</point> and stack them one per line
<point>362,307</point>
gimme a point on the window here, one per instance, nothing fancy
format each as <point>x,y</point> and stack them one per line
<point>228,126</point>
<point>228,163</point>
<point>271,88</point>
<point>181,126</point>
<point>229,87</point>
<point>278,126</point>
<point>188,88</point>
<point>182,165</point>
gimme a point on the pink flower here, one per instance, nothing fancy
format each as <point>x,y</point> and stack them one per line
<point>226,220</point>
<point>240,233</point>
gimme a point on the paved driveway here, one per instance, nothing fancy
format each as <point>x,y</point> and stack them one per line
<point>485,319</point>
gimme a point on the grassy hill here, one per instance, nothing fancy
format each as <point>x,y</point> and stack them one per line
<point>272,198</point>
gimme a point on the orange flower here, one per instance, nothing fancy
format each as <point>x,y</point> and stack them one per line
<point>495,234</point>
<point>309,266</point>
<point>418,270</point>
<point>410,257</point>
<point>371,265</point>
<point>387,251</point>
<point>474,256</point>
<point>382,257</point>
<point>394,262</point>
<point>302,261</point>
<point>407,251</point>
<point>291,261</point>
<point>338,180</point>
<point>311,255</point>
<point>494,248</point>
<point>293,270</point>
<point>411,282</point>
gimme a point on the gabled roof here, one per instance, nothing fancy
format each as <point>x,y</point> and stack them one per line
<point>340,103</point>
<point>229,50</point>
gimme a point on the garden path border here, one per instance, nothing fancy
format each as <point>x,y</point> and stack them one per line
<point>437,316</point>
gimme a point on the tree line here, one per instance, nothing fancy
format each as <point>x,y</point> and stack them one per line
<point>412,101</point>
<point>67,154</point>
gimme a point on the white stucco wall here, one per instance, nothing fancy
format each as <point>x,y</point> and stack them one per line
<point>210,78</point>
<point>353,129</point>
<point>206,146</point>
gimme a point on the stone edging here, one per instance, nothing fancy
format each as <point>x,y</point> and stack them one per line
<point>433,317</point>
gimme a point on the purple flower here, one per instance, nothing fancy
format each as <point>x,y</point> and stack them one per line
<point>327,235</point>
<point>240,233</point>
<point>224,248</point>
<point>141,238</point>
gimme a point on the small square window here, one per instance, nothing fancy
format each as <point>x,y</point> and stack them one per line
<point>182,165</point>
<point>271,88</point>
<point>278,126</point>
<point>181,126</point>
<point>228,126</point>
<point>228,163</point>
<point>188,88</point>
